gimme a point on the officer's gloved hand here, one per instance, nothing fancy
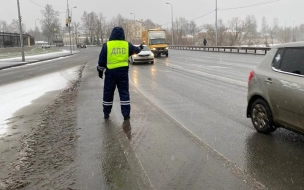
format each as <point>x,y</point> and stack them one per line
<point>100,74</point>
<point>141,46</point>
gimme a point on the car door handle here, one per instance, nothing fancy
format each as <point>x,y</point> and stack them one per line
<point>269,80</point>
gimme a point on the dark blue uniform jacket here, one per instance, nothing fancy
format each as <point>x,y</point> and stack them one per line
<point>117,34</point>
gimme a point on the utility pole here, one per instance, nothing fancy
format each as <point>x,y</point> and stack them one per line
<point>71,21</point>
<point>21,36</point>
<point>293,32</point>
<point>216,32</point>
<point>69,25</point>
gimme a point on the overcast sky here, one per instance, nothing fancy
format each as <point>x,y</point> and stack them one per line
<point>287,11</point>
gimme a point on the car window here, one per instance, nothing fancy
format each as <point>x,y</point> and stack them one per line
<point>278,58</point>
<point>293,61</point>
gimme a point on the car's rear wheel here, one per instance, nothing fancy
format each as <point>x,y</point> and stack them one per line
<point>152,62</point>
<point>261,117</point>
<point>167,54</point>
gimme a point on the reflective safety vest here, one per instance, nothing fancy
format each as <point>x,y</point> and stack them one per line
<point>117,54</point>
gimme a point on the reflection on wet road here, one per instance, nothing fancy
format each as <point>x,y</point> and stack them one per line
<point>206,94</point>
<point>276,159</point>
<point>105,157</point>
<point>126,126</point>
<point>187,130</point>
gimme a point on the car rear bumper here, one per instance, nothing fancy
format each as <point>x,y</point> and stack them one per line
<point>141,60</point>
<point>165,51</point>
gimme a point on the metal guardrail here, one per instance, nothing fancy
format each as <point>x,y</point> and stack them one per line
<point>227,49</point>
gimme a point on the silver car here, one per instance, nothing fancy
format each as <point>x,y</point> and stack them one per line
<point>276,90</point>
<point>145,56</point>
<point>45,46</point>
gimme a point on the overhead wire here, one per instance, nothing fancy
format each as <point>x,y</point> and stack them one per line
<point>194,18</point>
<point>203,15</point>
<point>166,24</point>
<point>37,4</point>
<point>232,8</point>
<point>252,5</point>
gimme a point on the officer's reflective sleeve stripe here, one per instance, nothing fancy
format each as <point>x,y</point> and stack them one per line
<point>100,68</point>
<point>124,103</point>
<point>107,103</point>
<point>117,54</point>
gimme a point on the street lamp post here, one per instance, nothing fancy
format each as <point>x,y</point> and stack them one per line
<point>21,36</point>
<point>171,21</point>
<point>133,15</point>
<point>35,32</point>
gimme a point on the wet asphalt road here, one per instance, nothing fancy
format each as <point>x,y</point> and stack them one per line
<point>206,93</point>
<point>188,128</point>
<point>189,110</point>
<point>11,62</point>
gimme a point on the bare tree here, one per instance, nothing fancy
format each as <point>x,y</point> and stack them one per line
<point>274,29</point>
<point>194,30</point>
<point>301,32</point>
<point>75,30</point>
<point>234,33</point>
<point>250,30</point>
<point>209,34</point>
<point>126,24</point>
<point>181,28</point>
<point>4,26</point>
<point>13,27</point>
<point>222,32</point>
<point>85,25</point>
<point>264,31</point>
<point>102,27</point>
<point>111,24</point>
<point>36,34</point>
<point>284,34</point>
<point>50,22</point>
<point>88,24</point>
<point>149,24</point>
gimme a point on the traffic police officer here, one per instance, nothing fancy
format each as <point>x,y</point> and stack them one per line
<point>113,58</point>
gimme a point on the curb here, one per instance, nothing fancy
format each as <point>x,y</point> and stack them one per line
<point>26,63</point>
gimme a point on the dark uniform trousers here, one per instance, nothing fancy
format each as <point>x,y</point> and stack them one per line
<point>121,80</point>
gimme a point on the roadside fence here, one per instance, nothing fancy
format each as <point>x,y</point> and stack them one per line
<point>224,49</point>
<point>13,40</point>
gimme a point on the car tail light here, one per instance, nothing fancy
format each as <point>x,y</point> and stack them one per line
<point>251,75</point>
